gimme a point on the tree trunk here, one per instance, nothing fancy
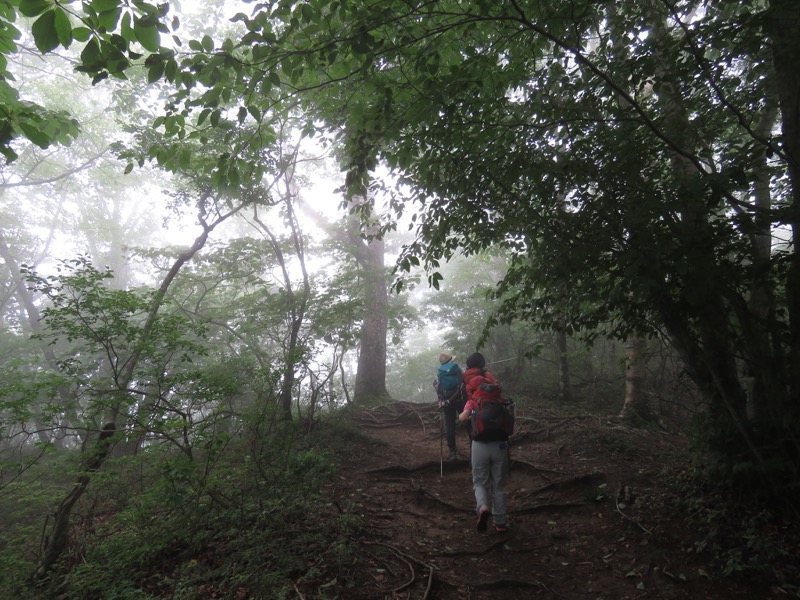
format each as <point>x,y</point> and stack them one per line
<point>564,386</point>
<point>366,239</point>
<point>57,539</point>
<point>635,404</point>
<point>31,323</point>
<point>784,27</point>
<point>296,300</point>
<point>371,375</point>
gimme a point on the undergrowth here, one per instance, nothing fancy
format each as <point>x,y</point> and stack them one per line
<point>247,520</point>
<point>742,537</point>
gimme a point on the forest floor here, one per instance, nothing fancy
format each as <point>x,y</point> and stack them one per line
<point>593,514</point>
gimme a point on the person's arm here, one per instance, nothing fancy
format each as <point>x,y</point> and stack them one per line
<point>466,413</point>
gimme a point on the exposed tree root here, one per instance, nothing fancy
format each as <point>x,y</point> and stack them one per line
<point>515,462</point>
<point>508,583</point>
<point>408,560</point>
<point>526,510</point>
<point>425,494</point>
<point>472,551</point>
<point>588,479</point>
<point>448,466</point>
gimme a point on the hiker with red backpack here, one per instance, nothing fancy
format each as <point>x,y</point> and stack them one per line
<point>448,389</point>
<point>492,421</point>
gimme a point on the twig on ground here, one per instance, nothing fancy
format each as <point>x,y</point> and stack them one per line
<point>624,516</point>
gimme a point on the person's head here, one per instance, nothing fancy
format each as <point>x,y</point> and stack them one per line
<point>444,358</point>
<point>476,361</point>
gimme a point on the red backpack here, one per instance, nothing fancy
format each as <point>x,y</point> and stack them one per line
<point>493,420</point>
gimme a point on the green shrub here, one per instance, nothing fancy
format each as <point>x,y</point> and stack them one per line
<point>256,524</point>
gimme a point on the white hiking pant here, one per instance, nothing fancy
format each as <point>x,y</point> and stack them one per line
<point>490,470</point>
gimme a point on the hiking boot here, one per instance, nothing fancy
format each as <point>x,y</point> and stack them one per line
<point>483,520</point>
<point>501,528</point>
<point>453,455</point>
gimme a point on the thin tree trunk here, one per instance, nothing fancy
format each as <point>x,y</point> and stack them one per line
<point>635,403</point>
<point>57,539</point>
<point>563,365</point>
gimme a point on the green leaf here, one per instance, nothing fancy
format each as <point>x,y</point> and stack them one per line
<point>171,70</point>
<point>81,34</point>
<point>203,116</point>
<point>101,6</point>
<point>33,8</point>
<point>108,20</point>
<point>155,71</point>
<point>90,56</point>
<point>125,28</point>
<point>255,112</point>
<point>36,135</point>
<point>44,32</point>
<point>207,43</point>
<point>63,27</point>
<point>128,168</point>
<point>146,34</point>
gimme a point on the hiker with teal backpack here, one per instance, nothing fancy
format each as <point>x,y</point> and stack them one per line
<point>448,389</point>
<point>491,421</point>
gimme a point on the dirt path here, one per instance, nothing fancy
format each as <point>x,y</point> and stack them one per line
<point>590,517</point>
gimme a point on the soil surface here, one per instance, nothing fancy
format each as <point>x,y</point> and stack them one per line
<point>592,514</point>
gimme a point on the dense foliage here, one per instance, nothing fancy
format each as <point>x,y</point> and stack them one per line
<point>636,162</point>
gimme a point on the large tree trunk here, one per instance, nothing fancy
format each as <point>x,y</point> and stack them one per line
<point>366,239</point>
<point>698,319</point>
<point>371,376</point>
<point>784,27</point>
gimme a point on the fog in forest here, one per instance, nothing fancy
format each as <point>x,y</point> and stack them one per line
<point>230,230</point>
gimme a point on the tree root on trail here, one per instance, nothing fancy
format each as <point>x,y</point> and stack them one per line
<point>507,583</point>
<point>387,513</point>
<point>399,413</point>
<point>447,466</point>
<point>471,552</point>
<point>425,494</point>
<point>524,435</point>
<point>516,461</point>
<point>526,510</point>
<point>589,479</point>
<point>408,559</point>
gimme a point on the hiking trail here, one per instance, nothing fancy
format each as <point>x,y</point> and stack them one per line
<point>589,515</point>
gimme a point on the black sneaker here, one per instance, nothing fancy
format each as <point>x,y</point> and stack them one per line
<point>501,528</point>
<point>483,520</point>
<point>453,455</point>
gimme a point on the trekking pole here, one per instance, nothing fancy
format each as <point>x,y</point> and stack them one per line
<point>441,430</point>
<point>441,442</point>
